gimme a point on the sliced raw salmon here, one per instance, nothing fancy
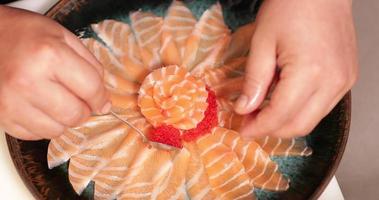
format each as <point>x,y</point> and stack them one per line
<point>262,170</point>
<point>149,168</point>
<point>230,88</point>
<point>124,101</point>
<point>225,105</point>
<point>205,37</point>
<point>197,184</point>
<point>240,43</point>
<point>177,26</point>
<point>285,147</point>
<point>216,76</point>
<point>112,175</point>
<point>174,184</point>
<point>117,84</point>
<point>84,166</point>
<point>119,37</point>
<point>230,120</point>
<point>147,29</point>
<point>75,140</point>
<point>113,64</point>
<point>226,174</point>
<point>227,118</point>
<point>171,96</point>
<point>214,58</point>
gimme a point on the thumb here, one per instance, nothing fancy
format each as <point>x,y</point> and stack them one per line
<point>260,70</point>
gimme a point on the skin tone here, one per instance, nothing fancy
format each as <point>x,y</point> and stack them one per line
<point>312,44</point>
<point>45,72</point>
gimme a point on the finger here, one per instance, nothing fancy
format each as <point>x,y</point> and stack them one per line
<point>337,99</point>
<point>38,123</point>
<point>78,76</point>
<point>313,112</point>
<point>260,70</point>
<point>60,104</point>
<point>17,131</point>
<point>290,95</point>
<point>81,50</point>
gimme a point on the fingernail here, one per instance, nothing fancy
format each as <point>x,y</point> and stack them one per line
<point>106,108</point>
<point>241,103</point>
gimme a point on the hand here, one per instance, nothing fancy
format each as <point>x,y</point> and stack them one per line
<point>48,79</point>
<point>313,44</point>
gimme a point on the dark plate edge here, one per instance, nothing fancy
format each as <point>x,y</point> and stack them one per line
<point>64,7</point>
<point>15,153</point>
<point>55,8</point>
<point>337,158</point>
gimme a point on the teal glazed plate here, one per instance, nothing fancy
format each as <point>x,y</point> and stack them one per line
<point>309,175</point>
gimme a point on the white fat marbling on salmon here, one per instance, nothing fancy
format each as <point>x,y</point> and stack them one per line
<point>246,182</point>
<point>226,168</point>
<point>230,179</point>
<point>289,147</point>
<point>202,193</point>
<point>269,179</point>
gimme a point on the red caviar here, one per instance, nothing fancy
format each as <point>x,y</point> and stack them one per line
<point>169,135</point>
<point>210,119</point>
<point>166,135</point>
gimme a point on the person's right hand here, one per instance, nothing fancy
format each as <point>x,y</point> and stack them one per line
<point>48,79</point>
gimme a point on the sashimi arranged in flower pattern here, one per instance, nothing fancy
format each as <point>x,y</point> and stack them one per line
<point>175,79</point>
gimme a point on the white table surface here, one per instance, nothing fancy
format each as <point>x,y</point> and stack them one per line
<point>11,185</point>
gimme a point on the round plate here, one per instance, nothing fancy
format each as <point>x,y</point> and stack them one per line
<point>309,176</point>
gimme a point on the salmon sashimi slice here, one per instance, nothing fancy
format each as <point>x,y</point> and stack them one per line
<point>177,27</point>
<point>263,172</point>
<point>174,184</point>
<point>230,88</point>
<point>119,37</point>
<point>197,185</point>
<point>112,175</point>
<point>111,63</point>
<point>225,172</point>
<point>171,96</point>
<point>240,42</point>
<point>147,29</point>
<point>207,32</point>
<point>61,149</point>
<point>84,166</point>
<point>285,147</point>
<point>123,101</point>
<point>75,140</point>
<point>227,118</point>
<point>214,58</point>
<point>230,120</point>
<point>225,105</point>
<point>149,168</point>
<point>216,76</point>
<point>120,85</point>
